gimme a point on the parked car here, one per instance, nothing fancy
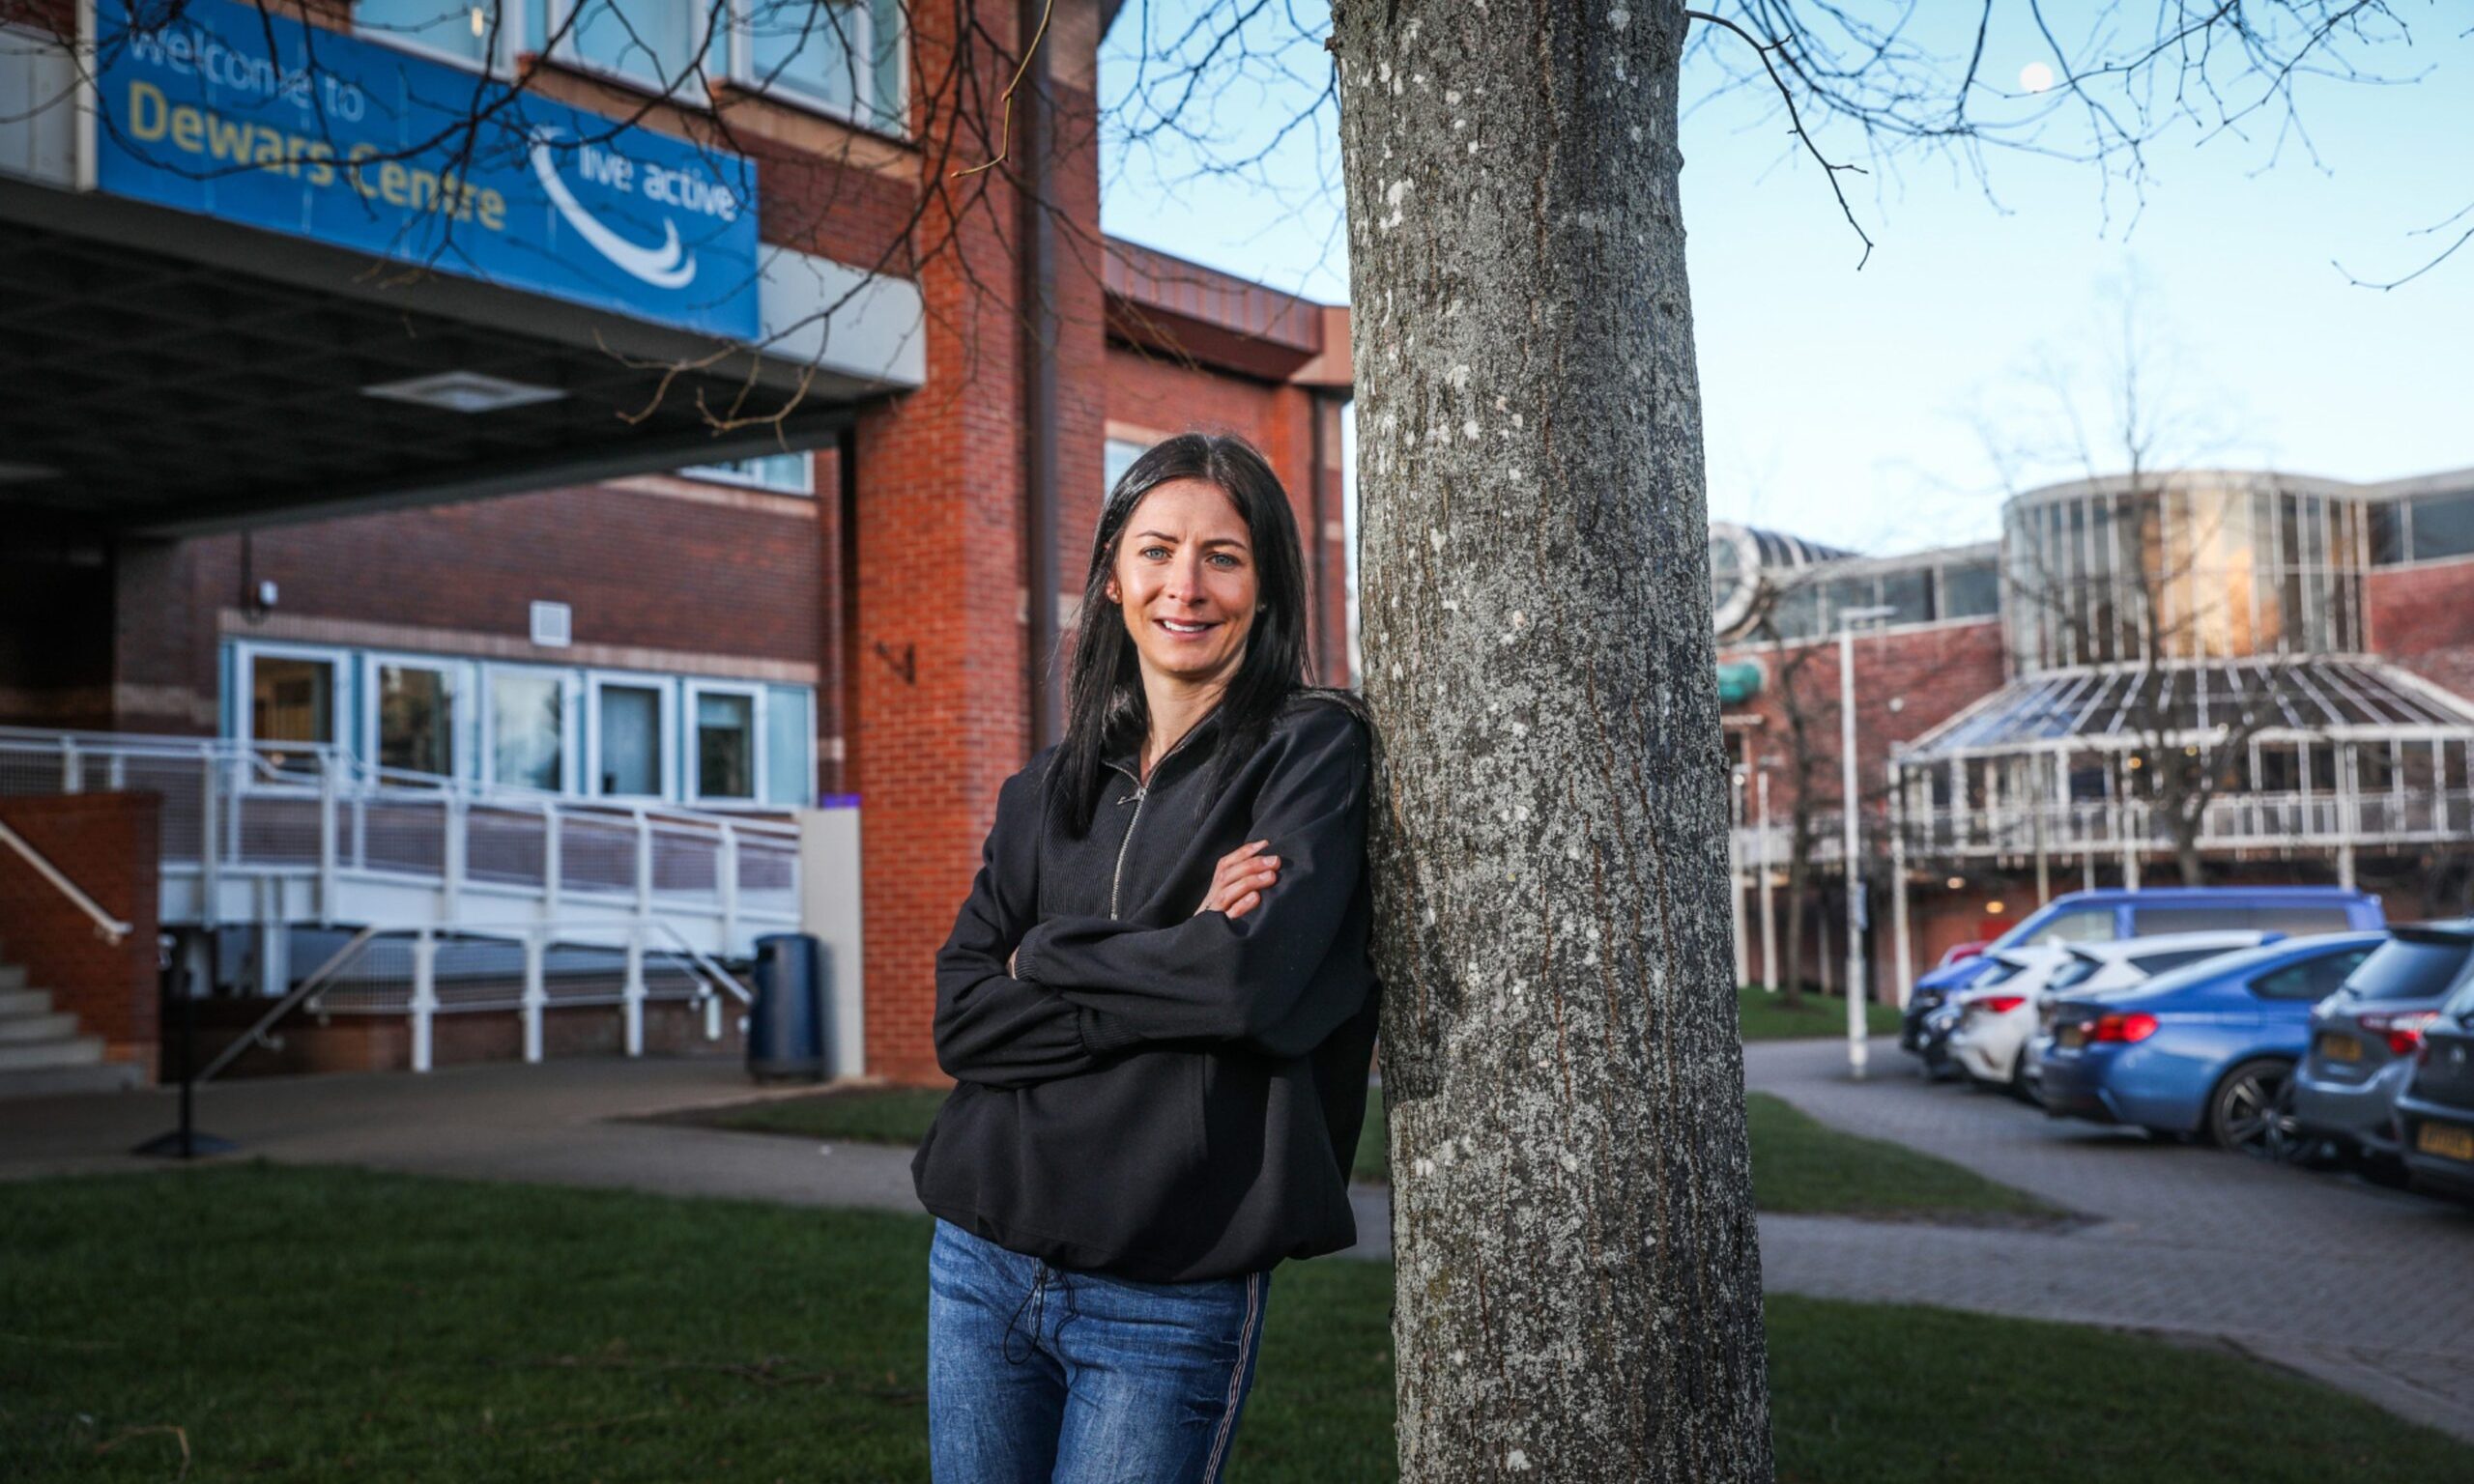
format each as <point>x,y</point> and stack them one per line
<point>2435,1112</point>
<point>2363,1038</point>
<point>1930,1040</point>
<point>1990,1041</point>
<point>2114,913</point>
<point>2205,1049</point>
<point>1961,953</point>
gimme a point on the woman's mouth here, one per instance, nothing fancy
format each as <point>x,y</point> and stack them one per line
<point>1184,629</point>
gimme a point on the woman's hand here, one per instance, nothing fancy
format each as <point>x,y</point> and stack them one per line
<point>1238,885</point>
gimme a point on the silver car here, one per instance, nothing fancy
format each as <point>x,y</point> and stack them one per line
<point>2363,1037</point>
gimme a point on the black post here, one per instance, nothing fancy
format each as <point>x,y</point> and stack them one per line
<point>185,1142</point>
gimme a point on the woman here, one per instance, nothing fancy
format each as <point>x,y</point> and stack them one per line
<point>1156,1007</point>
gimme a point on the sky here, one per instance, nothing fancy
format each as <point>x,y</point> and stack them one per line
<point>1891,407</point>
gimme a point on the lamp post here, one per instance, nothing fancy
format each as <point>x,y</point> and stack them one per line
<point>1848,803</point>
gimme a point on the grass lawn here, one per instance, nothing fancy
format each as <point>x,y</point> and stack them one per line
<point>328,1325</point>
<point>1761,1016</point>
<point>1798,1164</point>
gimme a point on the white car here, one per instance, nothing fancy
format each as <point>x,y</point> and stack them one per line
<point>1995,1022</point>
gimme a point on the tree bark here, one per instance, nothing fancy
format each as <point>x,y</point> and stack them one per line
<point>1578,1282</point>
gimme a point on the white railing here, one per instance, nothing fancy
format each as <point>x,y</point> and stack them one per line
<point>528,967</point>
<point>309,833</point>
<point>2230,823</point>
<point>2242,821</point>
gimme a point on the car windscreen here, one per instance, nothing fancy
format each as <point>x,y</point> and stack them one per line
<point>2411,968</point>
<point>2292,919</point>
<point>2002,968</point>
<point>2180,957</point>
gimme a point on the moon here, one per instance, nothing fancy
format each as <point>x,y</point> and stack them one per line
<point>2035,78</point>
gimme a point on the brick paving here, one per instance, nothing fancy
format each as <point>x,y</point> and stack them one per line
<point>2361,1286</point>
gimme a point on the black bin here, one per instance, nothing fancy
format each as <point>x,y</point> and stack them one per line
<point>785,1026</point>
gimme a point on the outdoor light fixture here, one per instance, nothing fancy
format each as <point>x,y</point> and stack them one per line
<point>463,391</point>
<point>1954,883</point>
<point>1992,909</point>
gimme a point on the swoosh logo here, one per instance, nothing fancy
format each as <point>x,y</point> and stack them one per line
<point>666,266</point>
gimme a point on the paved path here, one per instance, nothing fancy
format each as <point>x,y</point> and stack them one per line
<point>2187,1240</point>
<point>2363,1287</point>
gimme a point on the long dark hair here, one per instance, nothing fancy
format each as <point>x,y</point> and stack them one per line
<point>1104,696</point>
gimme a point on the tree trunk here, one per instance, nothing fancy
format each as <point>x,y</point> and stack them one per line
<point>1578,1283</point>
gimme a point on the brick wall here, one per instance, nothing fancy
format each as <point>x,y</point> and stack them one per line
<point>1928,673</point>
<point>2421,617</point>
<point>107,843</point>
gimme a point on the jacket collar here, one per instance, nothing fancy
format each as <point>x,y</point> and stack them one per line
<point>1124,757</point>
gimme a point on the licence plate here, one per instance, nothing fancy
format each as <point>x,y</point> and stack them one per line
<point>2071,1036</point>
<point>2446,1141</point>
<point>2340,1049</point>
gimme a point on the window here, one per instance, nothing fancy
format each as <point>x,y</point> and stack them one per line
<point>2088,925</point>
<point>414,727</point>
<point>843,56</point>
<point>292,698</point>
<point>725,744</point>
<point>1116,456</point>
<point>2312,980</point>
<point>654,43</point>
<point>2443,525</point>
<point>461,29</point>
<point>1795,612</point>
<point>1971,591</point>
<point>789,473</point>
<point>2153,964</point>
<point>1911,594</point>
<point>790,746</point>
<point>528,731</point>
<point>629,757</point>
<point>2411,966</point>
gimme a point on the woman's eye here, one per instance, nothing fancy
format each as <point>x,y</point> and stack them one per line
<point>1226,561</point>
<point>1154,553</point>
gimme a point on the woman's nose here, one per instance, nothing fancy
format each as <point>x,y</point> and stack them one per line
<point>1185,580</point>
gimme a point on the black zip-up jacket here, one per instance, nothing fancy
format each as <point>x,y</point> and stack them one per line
<point>1155,1093</point>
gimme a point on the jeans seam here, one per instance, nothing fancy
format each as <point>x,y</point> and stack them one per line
<point>1236,1377</point>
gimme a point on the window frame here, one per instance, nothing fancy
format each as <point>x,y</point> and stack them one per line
<point>570,726</point>
<point>510,41</point>
<point>691,783</point>
<point>863,110</point>
<point>686,90</point>
<point>665,732</point>
<point>716,474</point>
<point>459,730</point>
<point>342,679</point>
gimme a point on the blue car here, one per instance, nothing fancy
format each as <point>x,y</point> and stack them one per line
<point>2114,913</point>
<point>2202,1049</point>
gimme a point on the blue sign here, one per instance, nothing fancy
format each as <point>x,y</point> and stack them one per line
<point>232,113</point>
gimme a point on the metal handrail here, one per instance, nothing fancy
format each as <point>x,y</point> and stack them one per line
<point>111,930</point>
<point>315,980</point>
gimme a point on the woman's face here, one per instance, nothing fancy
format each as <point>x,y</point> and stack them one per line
<point>1185,580</point>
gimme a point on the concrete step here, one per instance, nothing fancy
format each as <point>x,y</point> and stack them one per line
<point>63,1051</point>
<point>17,1030</point>
<point>61,1081</point>
<point>13,976</point>
<point>25,1001</point>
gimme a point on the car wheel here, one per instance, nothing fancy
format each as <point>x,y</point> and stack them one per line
<point>2252,1111</point>
<point>2021,1086</point>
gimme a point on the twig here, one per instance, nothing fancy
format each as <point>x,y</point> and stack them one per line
<point>179,1434</point>
<point>1762,50</point>
<point>1005,112</point>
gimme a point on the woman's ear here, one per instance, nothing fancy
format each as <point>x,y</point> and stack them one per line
<point>1111,588</point>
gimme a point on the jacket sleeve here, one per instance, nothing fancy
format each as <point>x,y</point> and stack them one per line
<point>1214,978</point>
<point>992,1027</point>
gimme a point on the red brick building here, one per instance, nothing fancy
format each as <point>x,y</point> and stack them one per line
<point>730,549</point>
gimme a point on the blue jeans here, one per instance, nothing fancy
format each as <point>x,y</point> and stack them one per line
<point>1041,1375</point>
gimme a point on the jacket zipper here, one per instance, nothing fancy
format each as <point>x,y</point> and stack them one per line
<point>1141,791</point>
